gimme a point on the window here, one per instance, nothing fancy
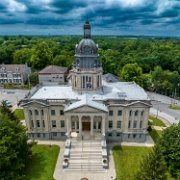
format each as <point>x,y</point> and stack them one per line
<point>44,135</point>
<point>129,136</point>
<point>110,124</point>
<point>129,124</point>
<point>38,123</point>
<point>54,134</point>
<point>36,112</point>
<point>140,136</point>
<point>140,126</point>
<point>110,113</point>
<point>118,134</point>
<point>119,124</point>
<point>38,135</point>
<point>134,135</point>
<point>61,112</point>
<point>42,112</point>
<point>130,113</point>
<point>30,112</point>
<point>99,125</point>
<point>110,134</point>
<point>73,124</point>
<point>53,112</point>
<point>43,123</point>
<point>135,124</point>
<point>142,113</point>
<point>119,113</point>
<point>53,123</point>
<point>62,124</point>
<point>136,113</point>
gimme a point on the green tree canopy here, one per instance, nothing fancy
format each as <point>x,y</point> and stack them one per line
<point>14,149</point>
<point>131,72</point>
<point>153,166</point>
<point>42,56</point>
<point>170,147</point>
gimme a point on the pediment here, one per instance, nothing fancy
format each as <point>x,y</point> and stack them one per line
<point>85,109</point>
<point>139,104</point>
<point>34,103</point>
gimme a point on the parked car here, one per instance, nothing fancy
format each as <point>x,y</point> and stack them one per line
<point>8,103</point>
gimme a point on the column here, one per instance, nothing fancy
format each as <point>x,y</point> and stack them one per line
<point>103,125</point>
<point>91,125</point>
<point>34,119</point>
<point>97,125</point>
<point>80,125</point>
<point>67,118</point>
<point>139,119</point>
<point>132,119</point>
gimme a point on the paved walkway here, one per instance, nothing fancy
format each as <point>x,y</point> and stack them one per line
<point>61,174</point>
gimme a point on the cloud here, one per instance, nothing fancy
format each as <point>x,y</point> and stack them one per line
<point>116,16</point>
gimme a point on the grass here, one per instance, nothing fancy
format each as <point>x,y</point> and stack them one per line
<point>42,164</point>
<point>19,113</point>
<point>175,107</point>
<point>155,122</point>
<point>155,134</point>
<point>127,160</point>
<point>13,86</point>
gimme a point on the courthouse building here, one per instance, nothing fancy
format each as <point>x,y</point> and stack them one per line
<point>91,103</point>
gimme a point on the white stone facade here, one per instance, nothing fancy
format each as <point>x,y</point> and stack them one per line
<point>92,103</point>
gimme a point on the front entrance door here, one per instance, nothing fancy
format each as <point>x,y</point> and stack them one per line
<point>86,126</point>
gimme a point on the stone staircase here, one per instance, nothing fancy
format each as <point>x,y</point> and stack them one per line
<point>85,155</point>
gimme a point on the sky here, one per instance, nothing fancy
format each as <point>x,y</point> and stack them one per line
<point>107,17</point>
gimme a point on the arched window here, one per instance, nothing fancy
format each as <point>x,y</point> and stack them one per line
<point>142,113</point>
<point>130,113</point>
<point>30,112</point>
<point>136,113</point>
<point>36,112</point>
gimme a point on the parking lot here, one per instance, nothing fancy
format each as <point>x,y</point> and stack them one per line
<point>13,95</point>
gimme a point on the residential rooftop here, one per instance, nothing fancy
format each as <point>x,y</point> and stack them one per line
<point>54,70</point>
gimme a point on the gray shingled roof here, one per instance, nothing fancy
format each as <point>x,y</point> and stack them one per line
<point>14,67</point>
<point>53,70</point>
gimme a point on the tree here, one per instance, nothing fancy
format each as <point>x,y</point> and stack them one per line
<point>6,111</point>
<point>131,72</point>
<point>22,56</point>
<point>33,78</point>
<point>170,148</point>
<point>42,56</point>
<point>14,149</point>
<point>153,166</point>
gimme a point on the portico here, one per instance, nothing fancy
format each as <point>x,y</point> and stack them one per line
<point>93,123</point>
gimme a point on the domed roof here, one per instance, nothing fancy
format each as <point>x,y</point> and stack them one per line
<point>87,46</point>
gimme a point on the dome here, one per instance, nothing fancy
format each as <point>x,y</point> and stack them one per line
<point>86,46</point>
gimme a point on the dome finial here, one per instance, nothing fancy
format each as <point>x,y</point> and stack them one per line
<point>87,29</point>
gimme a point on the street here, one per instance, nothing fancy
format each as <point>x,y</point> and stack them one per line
<point>13,95</point>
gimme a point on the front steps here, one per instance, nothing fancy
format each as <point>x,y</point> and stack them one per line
<point>85,155</point>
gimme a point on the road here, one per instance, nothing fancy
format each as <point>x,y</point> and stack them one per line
<point>13,95</point>
<point>161,107</point>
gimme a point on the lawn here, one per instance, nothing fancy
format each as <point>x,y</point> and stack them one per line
<point>41,165</point>
<point>19,113</point>
<point>155,134</point>
<point>127,160</point>
<point>155,122</point>
<point>175,107</point>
